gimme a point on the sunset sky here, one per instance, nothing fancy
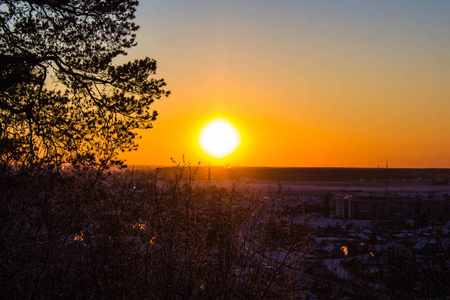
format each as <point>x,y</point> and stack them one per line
<point>306,83</point>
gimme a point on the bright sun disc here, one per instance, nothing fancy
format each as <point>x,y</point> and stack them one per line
<point>219,138</point>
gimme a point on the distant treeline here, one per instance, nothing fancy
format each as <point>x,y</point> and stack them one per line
<point>438,176</point>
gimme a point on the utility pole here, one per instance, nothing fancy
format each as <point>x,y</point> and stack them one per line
<point>387,179</point>
<point>208,183</point>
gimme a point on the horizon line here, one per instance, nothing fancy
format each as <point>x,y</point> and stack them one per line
<point>281,167</point>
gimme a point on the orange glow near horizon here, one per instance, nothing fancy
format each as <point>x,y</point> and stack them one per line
<point>307,84</point>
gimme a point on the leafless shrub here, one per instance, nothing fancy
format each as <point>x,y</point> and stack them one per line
<point>84,234</point>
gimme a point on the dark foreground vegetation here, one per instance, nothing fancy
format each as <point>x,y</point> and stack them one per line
<point>81,234</point>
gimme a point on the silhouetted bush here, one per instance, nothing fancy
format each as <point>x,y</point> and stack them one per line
<point>86,234</point>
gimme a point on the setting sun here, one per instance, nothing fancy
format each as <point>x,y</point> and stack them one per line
<point>219,138</point>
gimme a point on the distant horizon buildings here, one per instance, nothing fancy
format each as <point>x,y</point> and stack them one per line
<point>391,207</point>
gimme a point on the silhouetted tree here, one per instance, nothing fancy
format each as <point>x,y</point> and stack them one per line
<point>61,97</point>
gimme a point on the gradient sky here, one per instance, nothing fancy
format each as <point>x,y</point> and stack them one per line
<point>307,83</point>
